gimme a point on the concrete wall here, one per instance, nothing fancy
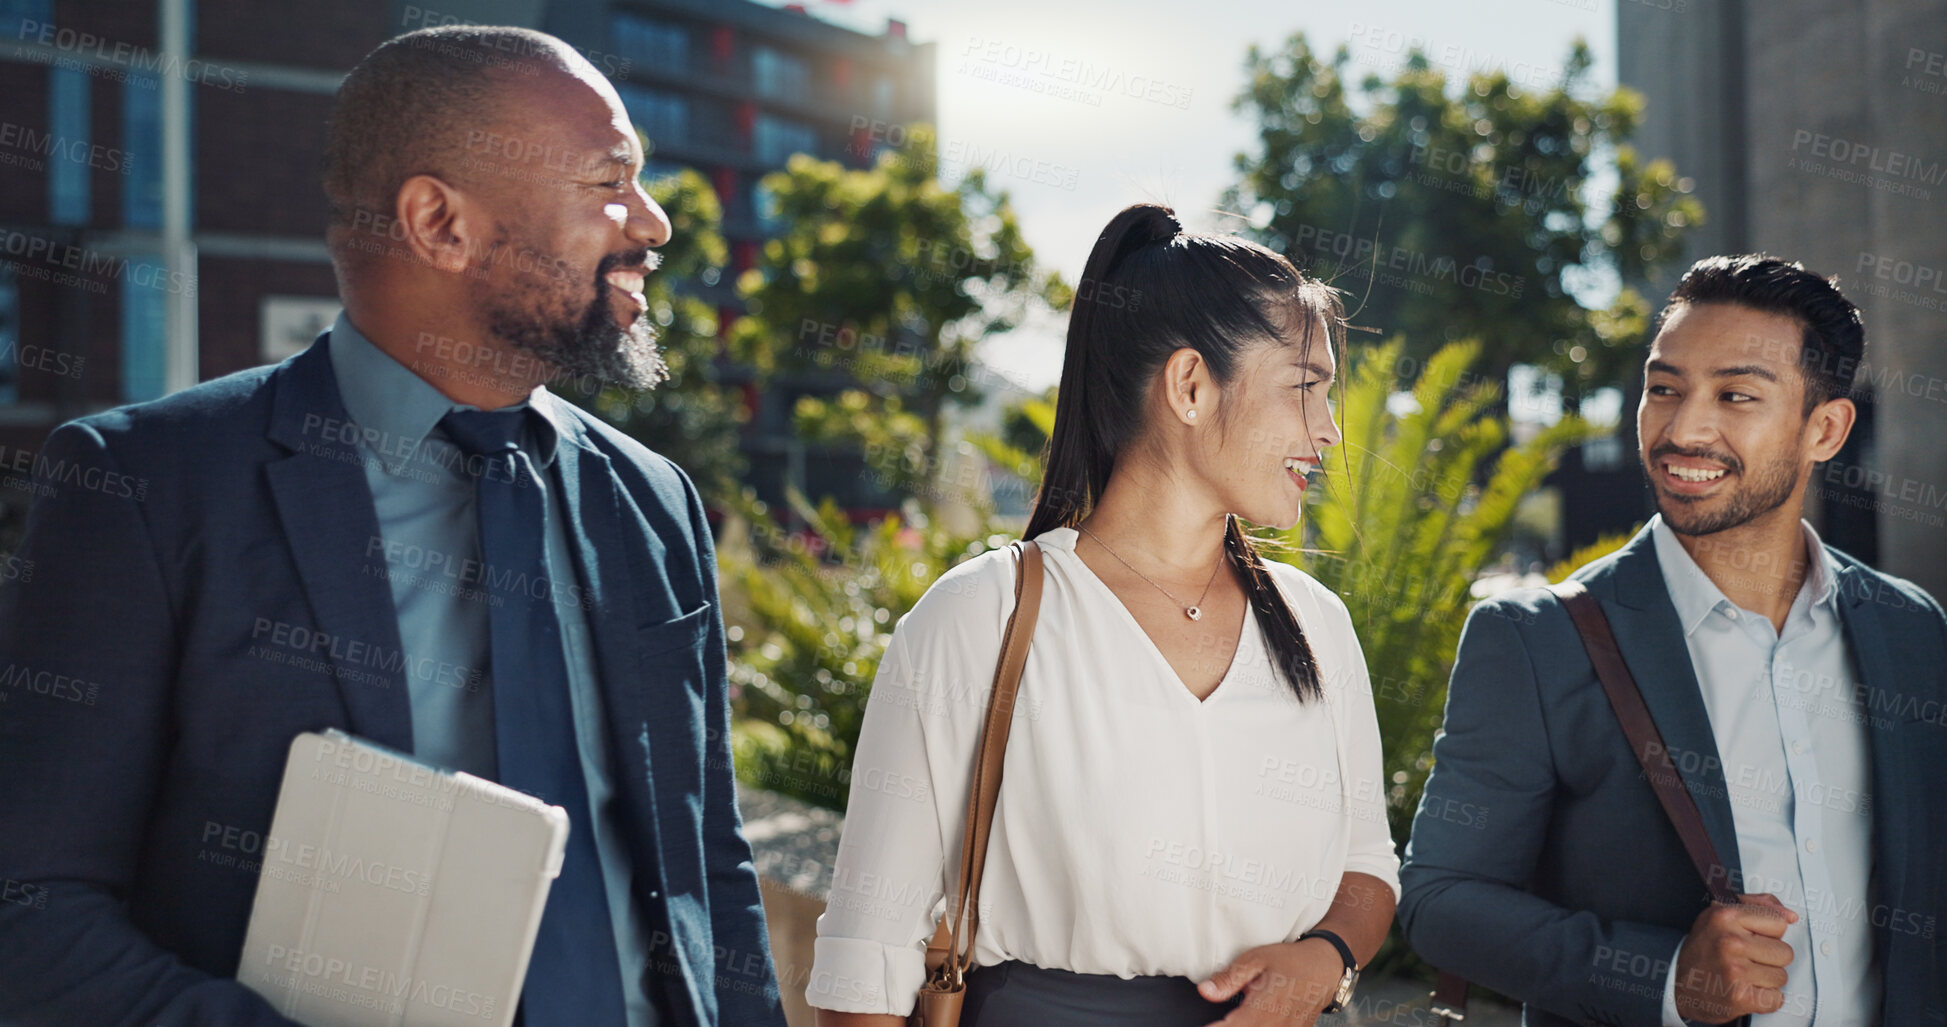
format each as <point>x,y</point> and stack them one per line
<point>1818,132</point>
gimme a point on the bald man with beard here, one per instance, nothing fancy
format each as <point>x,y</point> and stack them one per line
<point>402,534</point>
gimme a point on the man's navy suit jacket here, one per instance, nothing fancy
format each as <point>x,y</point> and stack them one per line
<point>198,584</point>
<point>1541,865</point>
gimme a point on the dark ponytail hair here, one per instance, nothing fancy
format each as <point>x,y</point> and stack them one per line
<point>1149,289</point>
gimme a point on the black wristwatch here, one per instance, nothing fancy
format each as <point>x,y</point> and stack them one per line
<point>1351,978</point>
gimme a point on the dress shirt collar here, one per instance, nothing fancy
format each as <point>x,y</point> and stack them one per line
<point>395,409</point>
<point>1695,595</point>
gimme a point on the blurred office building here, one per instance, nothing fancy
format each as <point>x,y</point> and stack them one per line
<point>162,221</point>
<point>1816,132</point>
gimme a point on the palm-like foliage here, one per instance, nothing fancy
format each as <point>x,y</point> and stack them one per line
<point>1419,499</point>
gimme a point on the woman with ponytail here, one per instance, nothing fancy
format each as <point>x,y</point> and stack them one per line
<point>1191,826</point>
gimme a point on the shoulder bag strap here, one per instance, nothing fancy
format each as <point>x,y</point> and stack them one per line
<point>1661,771</point>
<point>993,748</point>
<point>1626,699</point>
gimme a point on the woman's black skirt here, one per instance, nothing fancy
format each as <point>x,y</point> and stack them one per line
<point>1017,994</point>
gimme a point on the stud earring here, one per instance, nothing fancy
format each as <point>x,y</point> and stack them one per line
<point>1193,415</point>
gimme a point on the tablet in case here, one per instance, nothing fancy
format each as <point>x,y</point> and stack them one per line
<point>396,893</point>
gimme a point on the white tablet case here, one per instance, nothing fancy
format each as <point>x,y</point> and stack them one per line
<point>394,893</point>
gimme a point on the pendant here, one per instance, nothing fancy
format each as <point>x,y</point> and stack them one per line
<point>1193,612</point>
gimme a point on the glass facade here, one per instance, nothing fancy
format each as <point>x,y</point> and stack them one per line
<point>9,336</point>
<point>145,318</point>
<point>16,15</point>
<point>764,205</point>
<point>67,121</point>
<point>648,41</point>
<point>142,149</point>
<point>664,117</point>
<point>779,75</point>
<point>776,138</point>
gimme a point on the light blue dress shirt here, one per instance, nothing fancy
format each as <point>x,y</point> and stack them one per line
<point>1791,735</point>
<point>429,541</point>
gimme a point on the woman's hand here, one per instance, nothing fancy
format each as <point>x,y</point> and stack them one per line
<point>1286,985</point>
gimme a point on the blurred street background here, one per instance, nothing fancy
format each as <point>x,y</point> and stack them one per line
<point>882,208</point>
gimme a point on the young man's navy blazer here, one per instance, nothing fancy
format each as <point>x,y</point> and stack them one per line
<point>198,585</point>
<point>1541,865</point>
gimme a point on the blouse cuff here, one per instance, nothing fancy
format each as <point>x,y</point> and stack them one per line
<point>854,975</point>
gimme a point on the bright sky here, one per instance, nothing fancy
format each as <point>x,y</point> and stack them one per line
<point>1081,107</point>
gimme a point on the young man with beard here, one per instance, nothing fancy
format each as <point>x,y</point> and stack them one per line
<point>401,533</point>
<point>1797,691</point>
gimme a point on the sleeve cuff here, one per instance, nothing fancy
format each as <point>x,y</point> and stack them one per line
<point>854,975</point>
<point>1670,1017</point>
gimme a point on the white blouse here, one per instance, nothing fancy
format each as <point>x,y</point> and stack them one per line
<point>1138,831</point>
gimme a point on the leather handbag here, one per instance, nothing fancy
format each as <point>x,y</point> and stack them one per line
<point>1626,699</point>
<point>950,954</point>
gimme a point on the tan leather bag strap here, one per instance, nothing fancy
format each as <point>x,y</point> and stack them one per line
<point>1634,714</point>
<point>1626,699</point>
<point>986,789</point>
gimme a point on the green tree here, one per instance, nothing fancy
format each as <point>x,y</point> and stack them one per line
<point>880,282</point>
<point>889,279</point>
<point>1471,210</point>
<point>1420,498</point>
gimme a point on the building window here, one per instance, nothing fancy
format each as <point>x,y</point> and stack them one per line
<point>16,16</point>
<point>142,136</point>
<point>658,44</point>
<point>67,121</point>
<point>1603,453</point>
<point>763,203</point>
<point>287,325</point>
<point>1603,409</point>
<point>655,169</point>
<point>9,336</point>
<point>882,95</point>
<point>663,117</point>
<point>778,138</point>
<point>780,76</point>
<point>145,312</point>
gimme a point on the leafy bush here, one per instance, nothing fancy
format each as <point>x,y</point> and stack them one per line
<point>1418,500</point>
<point>821,608</point>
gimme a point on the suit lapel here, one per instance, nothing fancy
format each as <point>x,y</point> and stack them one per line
<point>1651,638</point>
<point>329,522</point>
<point>1869,646</point>
<point>598,531</point>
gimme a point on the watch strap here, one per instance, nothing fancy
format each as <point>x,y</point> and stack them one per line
<point>1345,951</point>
